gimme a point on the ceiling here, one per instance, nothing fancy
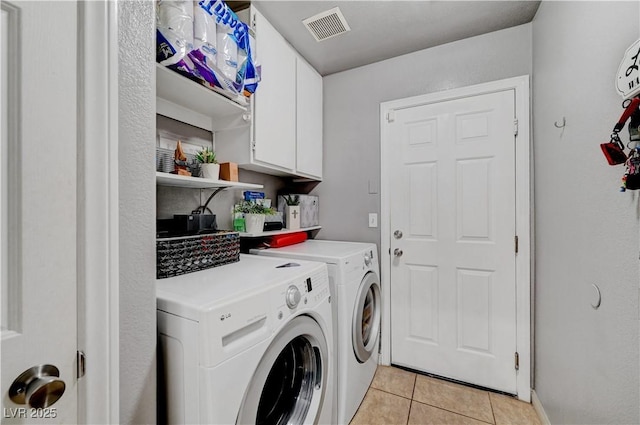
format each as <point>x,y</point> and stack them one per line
<point>384,29</point>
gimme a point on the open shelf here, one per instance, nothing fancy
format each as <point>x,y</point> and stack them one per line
<point>182,91</point>
<point>166,179</point>
<point>277,232</point>
<point>185,100</point>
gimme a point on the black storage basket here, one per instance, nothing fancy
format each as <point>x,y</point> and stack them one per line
<point>187,254</point>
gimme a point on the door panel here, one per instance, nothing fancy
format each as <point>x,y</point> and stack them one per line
<point>423,287</point>
<point>453,198</point>
<point>39,259</point>
<point>275,101</point>
<point>309,120</point>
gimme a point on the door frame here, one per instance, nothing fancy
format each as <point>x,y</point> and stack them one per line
<point>524,214</point>
<point>98,240</point>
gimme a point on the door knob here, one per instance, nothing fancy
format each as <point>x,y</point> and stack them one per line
<point>397,252</point>
<point>38,387</point>
<point>397,234</point>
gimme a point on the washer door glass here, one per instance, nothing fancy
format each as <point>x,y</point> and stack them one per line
<point>288,386</point>
<point>366,318</point>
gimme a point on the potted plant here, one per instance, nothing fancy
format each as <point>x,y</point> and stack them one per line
<point>254,215</point>
<point>292,211</point>
<point>209,168</point>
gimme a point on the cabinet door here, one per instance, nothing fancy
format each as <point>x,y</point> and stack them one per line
<point>274,111</point>
<point>309,122</point>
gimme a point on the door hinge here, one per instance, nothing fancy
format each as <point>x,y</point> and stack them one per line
<point>517,361</point>
<point>80,367</point>
<point>391,116</point>
<point>515,240</point>
<point>515,127</point>
<point>253,145</point>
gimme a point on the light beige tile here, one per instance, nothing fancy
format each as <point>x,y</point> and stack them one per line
<point>381,408</point>
<point>511,411</point>
<point>453,397</point>
<point>422,414</point>
<point>395,381</point>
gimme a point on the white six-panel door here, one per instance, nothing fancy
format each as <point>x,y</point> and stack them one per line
<point>451,171</point>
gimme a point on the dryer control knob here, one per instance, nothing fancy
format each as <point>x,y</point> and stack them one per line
<point>293,296</point>
<point>367,259</point>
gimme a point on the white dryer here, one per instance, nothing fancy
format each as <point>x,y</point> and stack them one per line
<point>246,343</point>
<point>354,277</point>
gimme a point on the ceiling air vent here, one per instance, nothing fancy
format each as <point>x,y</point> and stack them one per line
<point>327,24</point>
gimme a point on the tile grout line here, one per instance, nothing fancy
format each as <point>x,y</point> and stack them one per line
<point>389,392</point>
<point>415,382</point>
<point>455,413</point>
<point>413,391</point>
<point>434,406</point>
<point>411,400</point>
<point>492,412</point>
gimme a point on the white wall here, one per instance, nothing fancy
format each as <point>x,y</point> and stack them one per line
<point>351,117</point>
<point>586,231</point>
<point>137,212</point>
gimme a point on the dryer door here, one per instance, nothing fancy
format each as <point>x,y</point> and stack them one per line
<point>366,318</point>
<point>290,382</point>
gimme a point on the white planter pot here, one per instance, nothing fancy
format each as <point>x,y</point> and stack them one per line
<point>210,171</point>
<point>254,223</point>
<point>292,216</point>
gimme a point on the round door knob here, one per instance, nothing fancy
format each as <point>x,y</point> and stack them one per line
<point>38,387</point>
<point>397,234</point>
<point>293,296</point>
<point>397,252</point>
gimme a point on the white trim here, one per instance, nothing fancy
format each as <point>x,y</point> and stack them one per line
<point>98,296</point>
<point>523,213</point>
<point>12,184</point>
<point>537,406</point>
<point>386,112</point>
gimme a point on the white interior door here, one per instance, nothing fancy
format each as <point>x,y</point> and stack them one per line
<point>452,203</point>
<point>39,183</point>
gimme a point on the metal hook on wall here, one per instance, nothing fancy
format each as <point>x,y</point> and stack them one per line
<point>564,123</point>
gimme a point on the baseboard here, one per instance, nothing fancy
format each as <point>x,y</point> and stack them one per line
<point>544,419</point>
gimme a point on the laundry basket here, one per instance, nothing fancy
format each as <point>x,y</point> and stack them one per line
<point>187,254</point>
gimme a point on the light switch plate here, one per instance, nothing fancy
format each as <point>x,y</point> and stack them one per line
<point>373,219</point>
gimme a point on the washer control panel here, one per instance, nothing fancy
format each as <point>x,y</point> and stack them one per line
<point>304,292</point>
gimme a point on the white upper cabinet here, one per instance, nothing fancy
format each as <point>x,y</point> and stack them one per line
<point>274,107</point>
<point>285,137</point>
<point>309,121</point>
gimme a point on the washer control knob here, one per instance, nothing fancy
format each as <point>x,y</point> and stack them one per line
<point>293,296</point>
<point>367,258</point>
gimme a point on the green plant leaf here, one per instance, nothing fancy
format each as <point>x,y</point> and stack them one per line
<point>206,156</point>
<point>248,207</point>
<point>295,200</point>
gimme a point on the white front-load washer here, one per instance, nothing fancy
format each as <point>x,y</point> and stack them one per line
<point>354,278</point>
<point>246,343</point>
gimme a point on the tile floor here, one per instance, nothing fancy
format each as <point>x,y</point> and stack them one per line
<point>397,396</point>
